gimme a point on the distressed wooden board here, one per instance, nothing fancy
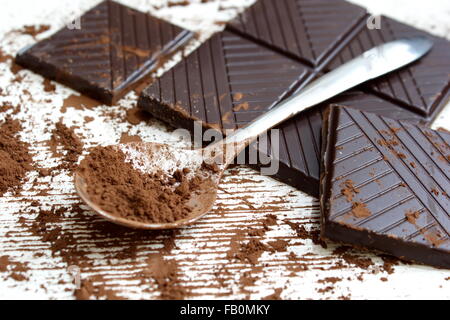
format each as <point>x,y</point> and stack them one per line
<point>246,200</point>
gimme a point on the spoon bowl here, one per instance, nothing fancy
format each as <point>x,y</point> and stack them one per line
<point>142,156</point>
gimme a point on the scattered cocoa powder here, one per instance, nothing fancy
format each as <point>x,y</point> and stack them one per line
<point>178,3</point>
<point>126,138</point>
<point>137,115</point>
<point>412,216</point>
<point>341,250</point>
<point>249,252</point>
<point>4,263</point>
<point>275,295</point>
<point>79,102</point>
<point>331,280</point>
<point>301,231</point>
<point>34,30</point>
<point>70,143</point>
<point>49,86</point>
<point>388,263</point>
<point>15,160</point>
<point>278,245</point>
<point>94,287</point>
<point>326,289</point>
<point>360,210</point>
<point>360,262</point>
<point>5,57</point>
<point>15,270</point>
<point>165,274</point>
<point>213,167</point>
<point>120,189</point>
<point>238,96</point>
<point>349,190</point>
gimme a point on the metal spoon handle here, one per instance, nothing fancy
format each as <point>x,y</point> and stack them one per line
<point>371,64</point>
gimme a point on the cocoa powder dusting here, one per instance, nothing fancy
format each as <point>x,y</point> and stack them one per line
<point>360,210</point>
<point>71,144</point>
<point>15,270</point>
<point>93,287</point>
<point>349,190</point>
<point>165,274</point>
<point>15,160</point>
<point>120,189</point>
<point>136,115</point>
<point>412,216</point>
<point>33,30</point>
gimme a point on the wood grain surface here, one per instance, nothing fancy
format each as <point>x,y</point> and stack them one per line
<point>291,262</point>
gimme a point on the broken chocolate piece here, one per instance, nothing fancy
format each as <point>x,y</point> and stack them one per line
<point>114,49</point>
<point>399,209</point>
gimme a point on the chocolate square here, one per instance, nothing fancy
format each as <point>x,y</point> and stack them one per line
<point>424,86</point>
<point>114,49</point>
<point>309,30</point>
<point>300,138</point>
<point>386,185</point>
<point>225,83</point>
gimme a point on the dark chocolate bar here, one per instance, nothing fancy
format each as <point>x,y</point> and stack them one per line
<point>114,48</point>
<point>423,87</point>
<point>309,30</point>
<point>327,33</point>
<point>227,82</point>
<point>385,185</point>
<point>300,138</point>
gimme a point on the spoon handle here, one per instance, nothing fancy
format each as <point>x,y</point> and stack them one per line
<point>371,64</point>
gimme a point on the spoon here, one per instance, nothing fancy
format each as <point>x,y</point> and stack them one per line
<point>371,64</point>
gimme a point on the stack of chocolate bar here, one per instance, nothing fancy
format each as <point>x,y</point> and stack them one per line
<point>383,178</point>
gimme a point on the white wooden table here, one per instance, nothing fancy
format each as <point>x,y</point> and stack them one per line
<point>245,199</point>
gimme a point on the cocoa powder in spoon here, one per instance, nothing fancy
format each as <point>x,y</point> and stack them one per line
<point>124,191</point>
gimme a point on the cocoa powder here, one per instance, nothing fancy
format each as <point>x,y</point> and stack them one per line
<point>71,144</point>
<point>16,270</point>
<point>123,191</point>
<point>15,160</point>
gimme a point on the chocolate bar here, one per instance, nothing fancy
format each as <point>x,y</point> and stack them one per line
<point>327,33</point>
<point>299,151</point>
<point>309,30</point>
<point>227,82</point>
<point>385,185</point>
<point>114,48</point>
<point>423,87</point>
<point>247,85</point>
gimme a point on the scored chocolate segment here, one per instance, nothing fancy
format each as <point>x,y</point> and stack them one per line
<point>386,186</point>
<point>299,151</point>
<point>422,87</point>
<point>306,29</point>
<point>227,82</point>
<point>114,48</point>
